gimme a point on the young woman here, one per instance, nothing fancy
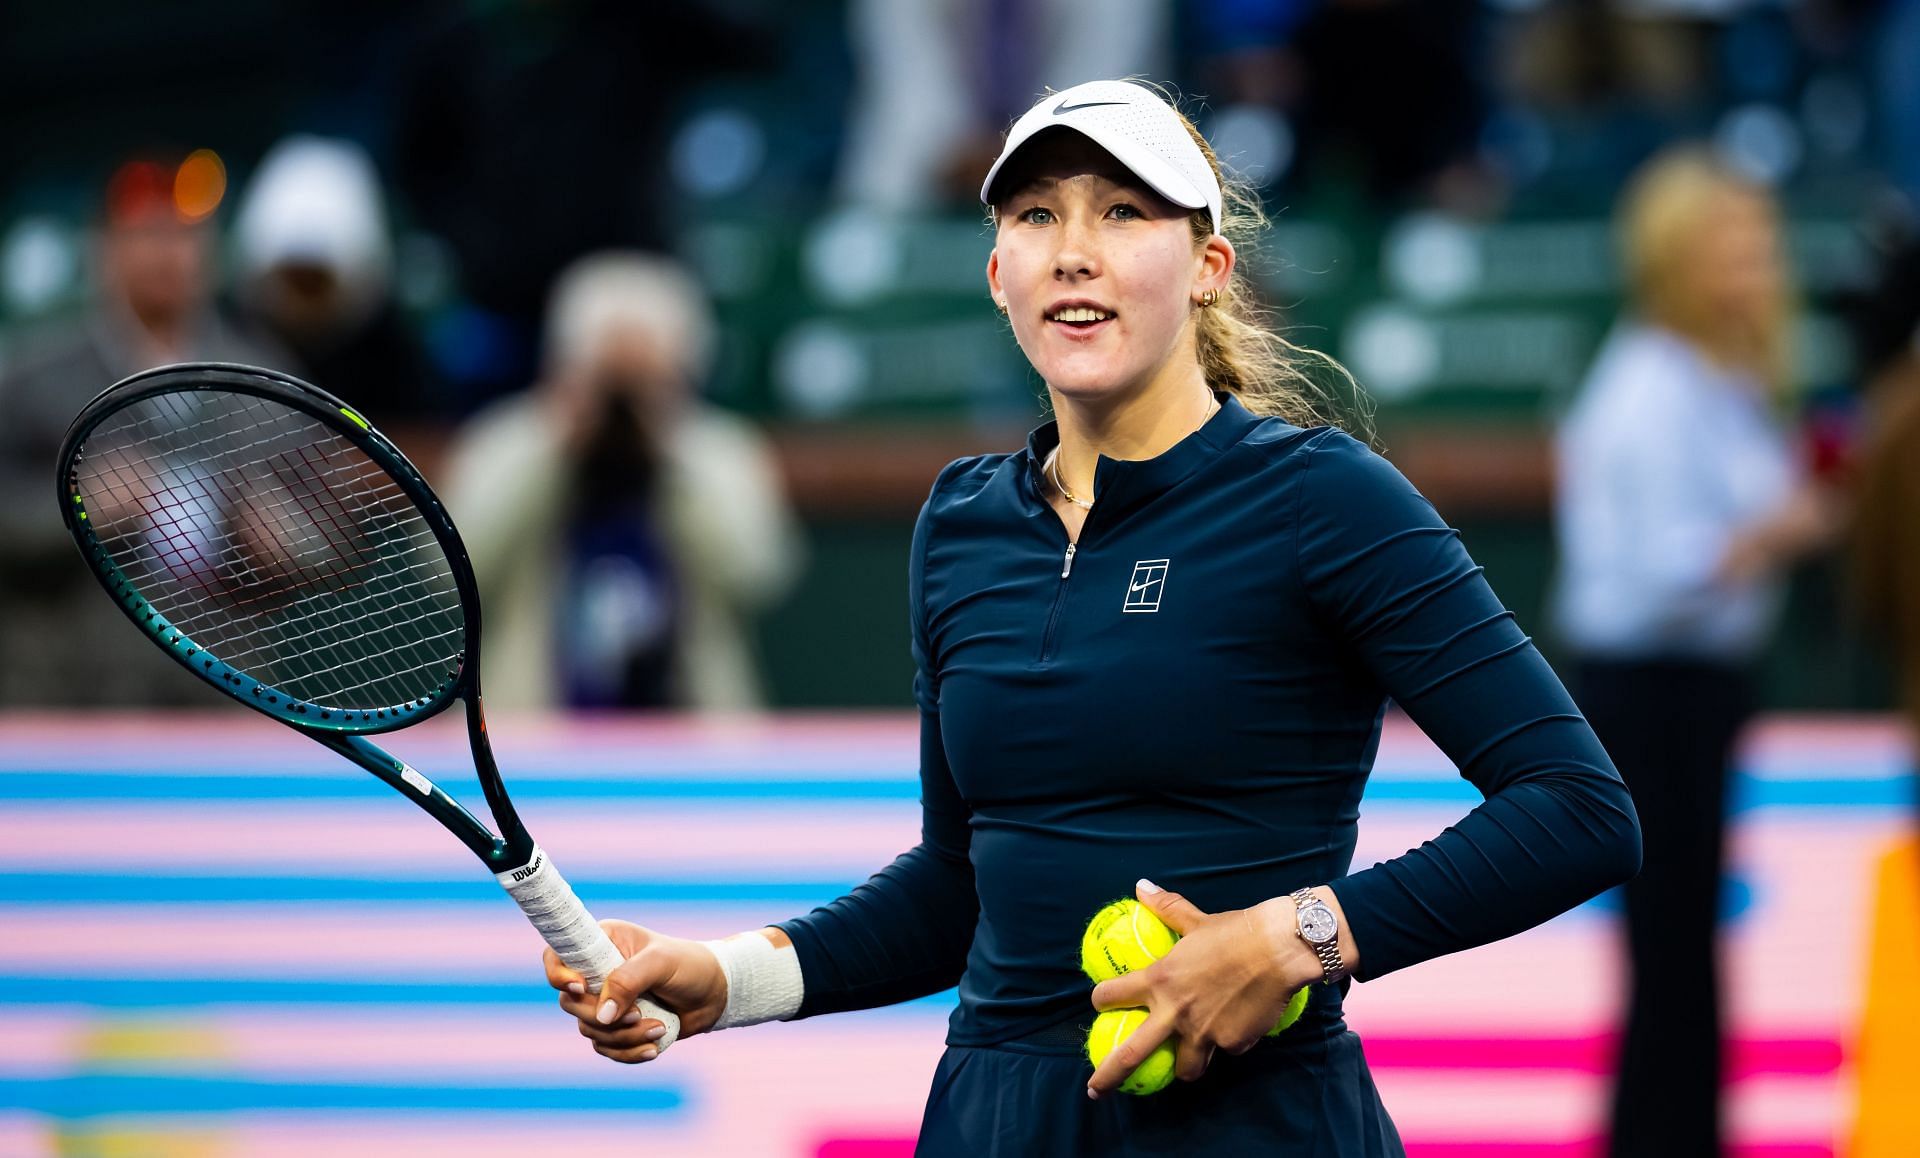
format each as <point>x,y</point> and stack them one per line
<point>1156,646</point>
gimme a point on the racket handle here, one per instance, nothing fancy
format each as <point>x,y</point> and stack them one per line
<point>548,901</point>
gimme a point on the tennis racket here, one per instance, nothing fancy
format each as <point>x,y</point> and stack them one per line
<point>263,534</point>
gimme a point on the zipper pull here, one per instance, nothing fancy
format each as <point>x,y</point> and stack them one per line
<point>1066,566</point>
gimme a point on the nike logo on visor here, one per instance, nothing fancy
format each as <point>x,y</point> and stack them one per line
<point>1064,108</point>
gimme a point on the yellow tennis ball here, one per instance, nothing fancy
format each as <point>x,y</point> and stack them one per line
<point>1117,1025</point>
<point>1295,1007</point>
<point>1122,937</point>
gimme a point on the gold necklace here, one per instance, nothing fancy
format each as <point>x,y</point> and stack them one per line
<point>1053,472</point>
<point>1052,465</point>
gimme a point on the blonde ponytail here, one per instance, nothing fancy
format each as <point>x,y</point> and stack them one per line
<point>1238,341</point>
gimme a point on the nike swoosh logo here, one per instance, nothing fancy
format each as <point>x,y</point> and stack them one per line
<point>1142,586</point>
<point>1064,108</point>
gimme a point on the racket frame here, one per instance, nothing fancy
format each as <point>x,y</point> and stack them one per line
<point>517,863</point>
<point>342,730</point>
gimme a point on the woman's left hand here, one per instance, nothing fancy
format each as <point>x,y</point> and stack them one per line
<point>1223,985</point>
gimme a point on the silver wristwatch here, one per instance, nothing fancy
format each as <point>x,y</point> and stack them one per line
<point>1320,929</point>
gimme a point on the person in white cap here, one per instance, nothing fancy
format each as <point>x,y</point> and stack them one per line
<point>1157,645</point>
<point>314,265</point>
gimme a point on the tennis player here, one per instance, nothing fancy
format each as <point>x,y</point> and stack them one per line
<point>1156,646</point>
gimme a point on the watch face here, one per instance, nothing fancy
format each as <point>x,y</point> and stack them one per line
<point>1317,923</point>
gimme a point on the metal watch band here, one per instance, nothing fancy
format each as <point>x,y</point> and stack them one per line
<point>1328,951</point>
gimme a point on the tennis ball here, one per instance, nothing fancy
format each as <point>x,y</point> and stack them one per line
<point>1295,1007</point>
<point>1122,937</point>
<point>1117,1025</point>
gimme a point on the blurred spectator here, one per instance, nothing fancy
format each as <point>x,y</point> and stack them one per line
<point>622,530</point>
<point>61,641</point>
<point>940,81</point>
<point>313,264</point>
<point>1680,506</point>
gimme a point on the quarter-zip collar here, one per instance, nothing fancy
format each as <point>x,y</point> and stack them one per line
<point>1119,485</point>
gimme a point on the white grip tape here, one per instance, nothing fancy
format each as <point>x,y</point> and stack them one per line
<point>548,901</point>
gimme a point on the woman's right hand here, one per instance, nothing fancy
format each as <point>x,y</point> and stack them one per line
<point>683,976</point>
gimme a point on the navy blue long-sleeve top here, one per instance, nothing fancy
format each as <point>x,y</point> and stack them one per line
<point>1194,694</point>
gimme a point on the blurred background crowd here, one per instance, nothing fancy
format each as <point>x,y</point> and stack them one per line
<point>716,268</point>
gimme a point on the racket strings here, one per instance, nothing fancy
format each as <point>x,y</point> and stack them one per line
<point>321,628</point>
<point>181,553</point>
<point>179,533</point>
<point>431,564</point>
<point>325,540</point>
<point>330,540</point>
<point>277,545</point>
<point>333,545</point>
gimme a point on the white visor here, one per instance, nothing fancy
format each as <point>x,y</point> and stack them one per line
<point>1137,126</point>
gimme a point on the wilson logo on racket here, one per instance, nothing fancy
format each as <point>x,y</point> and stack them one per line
<point>522,874</point>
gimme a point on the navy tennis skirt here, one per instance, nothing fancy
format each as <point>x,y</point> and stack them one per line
<point>1304,1099</point>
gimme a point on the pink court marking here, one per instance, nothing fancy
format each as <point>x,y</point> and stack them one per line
<point>1597,1148</point>
<point>838,745</point>
<point>349,1042</point>
<point>250,943</point>
<point>1747,1057</point>
<point>636,840</point>
<point>865,1148</point>
<point>841,745</point>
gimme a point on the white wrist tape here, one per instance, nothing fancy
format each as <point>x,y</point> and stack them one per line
<point>763,982</point>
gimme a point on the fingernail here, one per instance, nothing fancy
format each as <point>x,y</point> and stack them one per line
<point>1093,1094</point>
<point>576,988</point>
<point>606,1012</point>
<point>656,1033</point>
<point>632,1018</point>
<point>1146,886</point>
<point>649,1053</point>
